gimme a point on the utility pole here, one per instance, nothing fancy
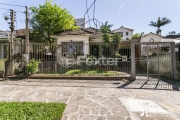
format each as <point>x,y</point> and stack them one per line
<point>12,33</point>
<point>9,70</point>
<point>27,37</point>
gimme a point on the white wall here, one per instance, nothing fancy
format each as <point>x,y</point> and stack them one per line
<point>147,38</point>
<point>79,21</point>
<point>130,33</point>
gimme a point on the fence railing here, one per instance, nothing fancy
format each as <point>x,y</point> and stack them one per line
<point>67,56</point>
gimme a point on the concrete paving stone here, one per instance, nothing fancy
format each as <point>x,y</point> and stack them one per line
<point>80,98</point>
<point>93,104</point>
<point>95,110</point>
<point>104,111</point>
<point>120,110</point>
<point>83,110</point>
<point>115,100</point>
<point>71,100</point>
<point>72,117</point>
<point>129,118</point>
<point>70,109</point>
<point>101,118</point>
<point>83,102</point>
<point>95,97</point>
<point>113,117</point>
<point>107,103</point>
<point>156,117</point>
<point>65,117</point>
<point>90,117</point>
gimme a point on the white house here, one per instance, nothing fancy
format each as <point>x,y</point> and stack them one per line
<point>80,22</point>
<point>126,33</point>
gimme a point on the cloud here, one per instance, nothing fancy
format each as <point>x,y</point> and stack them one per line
<point>121,6</point>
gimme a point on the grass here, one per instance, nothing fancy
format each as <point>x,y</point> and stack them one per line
<point>78,72</point>
<point>31,111</point>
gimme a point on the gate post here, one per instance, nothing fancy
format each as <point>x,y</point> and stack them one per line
<point>173,61</point>
<point>133,62</point>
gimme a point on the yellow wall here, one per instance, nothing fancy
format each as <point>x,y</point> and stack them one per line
<point>2,65</point>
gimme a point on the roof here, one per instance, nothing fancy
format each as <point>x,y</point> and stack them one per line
<point>153,34</point>
<point>172,36</point>
<point>75,32</point>
<point>124,28</point>
<point>21,32</point>
<point>1,31</point>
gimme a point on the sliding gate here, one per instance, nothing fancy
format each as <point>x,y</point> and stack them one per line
<point>153,60</point>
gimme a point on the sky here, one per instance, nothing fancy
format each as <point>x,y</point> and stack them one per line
<point>134,14</point>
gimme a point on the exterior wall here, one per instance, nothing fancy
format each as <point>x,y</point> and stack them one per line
<point>1,51</point>
<point>156,38</point>
<point>153,48</point>
<point>5,34</point>
<point>80,22</point>
<point>123,30</point>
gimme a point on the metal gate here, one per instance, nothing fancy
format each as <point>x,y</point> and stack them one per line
<point>153,60</point>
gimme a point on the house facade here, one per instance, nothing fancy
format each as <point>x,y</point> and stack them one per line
<point>80,22</point>
<point>126,33</point>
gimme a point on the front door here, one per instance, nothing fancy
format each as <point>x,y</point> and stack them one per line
<point>94,50</point>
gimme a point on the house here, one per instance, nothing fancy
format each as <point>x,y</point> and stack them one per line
<point>80,22</point>
<point>172,36</point>
<point>84,42</point>
<point>126,33</point>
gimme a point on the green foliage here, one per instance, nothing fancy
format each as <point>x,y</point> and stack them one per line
<point>31,111</point>
<point>49,18</point>
<point>116,38</point>
<point>160,22</point>
<point>109,37</point>
<point>32,66</point>
<point>106,28</point>
<point>117,55</point>
<point>79,72</point>
<point>136,36</point>
<point>72,72</point>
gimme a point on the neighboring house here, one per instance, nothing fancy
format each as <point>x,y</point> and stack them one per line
<point>80,22</point>
<point>172,36</point>
<point>4,40</point>
<point>163,49</point>
<point>126,33</point>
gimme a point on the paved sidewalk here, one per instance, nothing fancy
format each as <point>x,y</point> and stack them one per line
<point>96,100</point>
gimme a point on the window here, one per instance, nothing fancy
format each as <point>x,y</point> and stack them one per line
<point>121,33</point>
<point>127,33</point>
<point>75,48</point>
<point>127,38</point>
<point>82,23</point>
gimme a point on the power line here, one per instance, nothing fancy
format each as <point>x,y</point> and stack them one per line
<point>9,9</point>
<point>90,7</point>
<point>87,12</point>
<point>4,8</point>
<point>12,5</point>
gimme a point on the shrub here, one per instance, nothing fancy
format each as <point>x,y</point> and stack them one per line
<point>32,66</point>
<point>72,72</point>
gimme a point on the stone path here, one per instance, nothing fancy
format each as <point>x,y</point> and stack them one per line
<point>96,100</point>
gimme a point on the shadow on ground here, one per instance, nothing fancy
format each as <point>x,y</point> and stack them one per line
<point>162,84</point>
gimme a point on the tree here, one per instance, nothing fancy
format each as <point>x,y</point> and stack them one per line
<point>49,18</point>
<point>172,33</point>
<point>106,30</point>
<point>108,37</point>
<point>136,36</point>
<point>160,22</point>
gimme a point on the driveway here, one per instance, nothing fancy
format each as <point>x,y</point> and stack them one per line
<point>97,100</point>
